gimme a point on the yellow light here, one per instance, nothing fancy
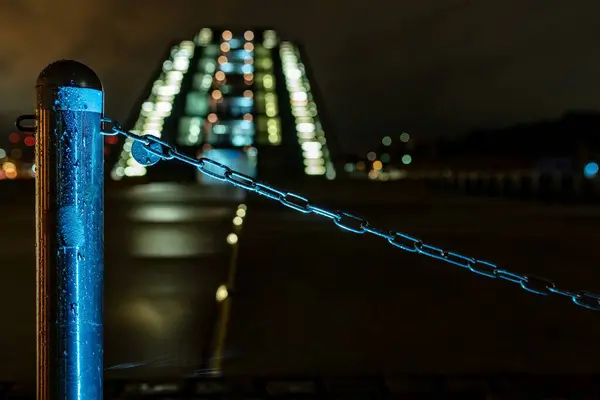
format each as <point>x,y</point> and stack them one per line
<point>217,95</point>
<point>268,81</point>
<point>242,207</point>
<point>237,221</point>
<point>232,238</point>
<point>241,212</point>
<point>225,47</point>
<point>248,93</point>
<point>11,173</point>
<point>227,35</point>
<point>248,117</point>
<point>249,47</point>
<point>212,118</point>
<point>8,166</point>
<point>220,76</point>
<point>249,35</point>
<point>274,139</point>
<point>222,60</point>
<point>222,293</point>
<point>377,165</point>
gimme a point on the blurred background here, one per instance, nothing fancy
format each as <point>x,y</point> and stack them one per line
<point>471,125</point>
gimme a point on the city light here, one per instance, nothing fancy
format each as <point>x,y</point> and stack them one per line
<point>308,128</point>
<point>222,293</point>
<point>156,108</point>
<point>223,55</point>
<point>9,170</point>
<point>270,39</point>
<point>14,137</point>
<point>227,35</point>
<point>591,170</point>
<point>232,238</point>
<point>204,37</point>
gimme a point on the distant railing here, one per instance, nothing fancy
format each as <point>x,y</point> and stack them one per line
<point>498,386</point>
<point>562,188</point>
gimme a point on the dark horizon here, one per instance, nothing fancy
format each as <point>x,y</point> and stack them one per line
<point>7,126</point>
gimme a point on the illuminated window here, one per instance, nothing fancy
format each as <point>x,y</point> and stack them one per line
<point>238,56</point>
<point>308,129</point>
<point>268,130</point>
<point>210,52</point>
<point>240,105</point>
<point>237,133</point>
<point>202,82</point>
<point>264,64</point>
<point>191,130</point>
<point>196,104</point>
<point>236,68</point>
<point>207,65</point>
<point>227,35</point>
<point>204,37</point>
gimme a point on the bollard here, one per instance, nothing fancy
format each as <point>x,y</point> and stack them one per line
<point>69,240</point>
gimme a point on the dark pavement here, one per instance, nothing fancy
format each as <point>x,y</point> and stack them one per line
<point>311,298</point>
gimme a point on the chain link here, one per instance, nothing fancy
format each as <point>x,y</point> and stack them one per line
<point>349,222</point>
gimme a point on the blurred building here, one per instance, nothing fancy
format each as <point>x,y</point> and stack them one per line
<point>241,97</point>
<point>245,99</point>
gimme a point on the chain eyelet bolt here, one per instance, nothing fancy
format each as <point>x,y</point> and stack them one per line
<point>23,127</point>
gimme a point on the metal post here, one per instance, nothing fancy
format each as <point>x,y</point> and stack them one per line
<point>69,240</point>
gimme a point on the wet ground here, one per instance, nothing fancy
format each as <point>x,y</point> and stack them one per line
<point>310,298</point>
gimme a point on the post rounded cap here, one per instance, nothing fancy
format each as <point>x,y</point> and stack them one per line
<point>69,73</point>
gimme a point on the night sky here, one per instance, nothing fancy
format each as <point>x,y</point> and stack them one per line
<point>430,67</point>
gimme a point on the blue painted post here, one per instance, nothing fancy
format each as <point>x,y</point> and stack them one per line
<point>69,242</point>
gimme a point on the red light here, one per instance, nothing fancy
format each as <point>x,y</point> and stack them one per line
<point>14,137</point>
<point>111,140</point>
<point>106,151</point>
<point>29,141</point>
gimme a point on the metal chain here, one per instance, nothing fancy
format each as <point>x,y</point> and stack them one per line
<point>158,149</point>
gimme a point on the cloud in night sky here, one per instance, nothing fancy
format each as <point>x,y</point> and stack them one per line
<point>431,66</point>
